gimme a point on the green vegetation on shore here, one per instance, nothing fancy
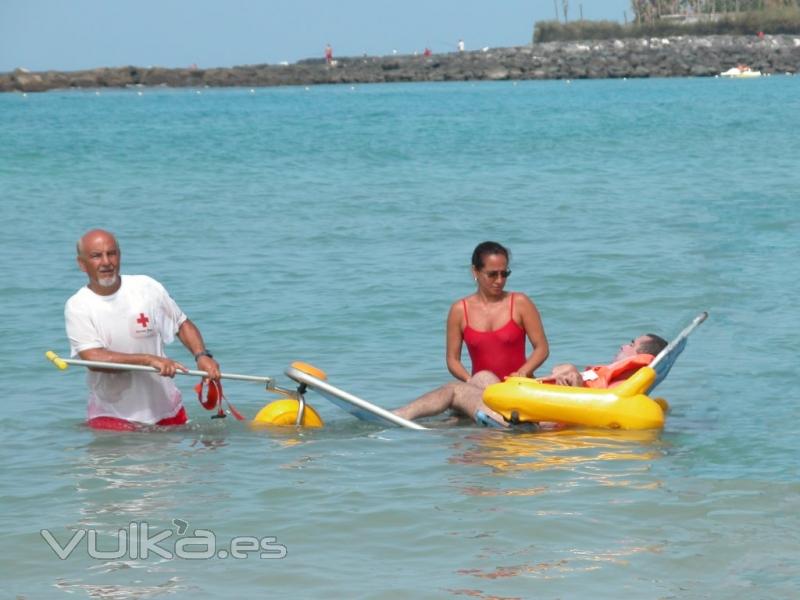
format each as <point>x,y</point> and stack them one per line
<point>785,20</point>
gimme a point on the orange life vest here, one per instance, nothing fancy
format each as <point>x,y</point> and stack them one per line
<point>617,372</point>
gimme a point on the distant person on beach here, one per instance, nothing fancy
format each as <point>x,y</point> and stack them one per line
<point>466,398</point>
<point>460,45</point>
<point>328,54</point>
<point>127,319</point>
<point>494,323</point>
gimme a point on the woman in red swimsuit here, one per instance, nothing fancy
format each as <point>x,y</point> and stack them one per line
<point>494,323</point>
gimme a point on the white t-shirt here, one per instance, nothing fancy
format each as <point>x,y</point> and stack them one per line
<point>138,319</point>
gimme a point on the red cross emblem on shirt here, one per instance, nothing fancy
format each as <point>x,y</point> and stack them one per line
<point>143,320</point>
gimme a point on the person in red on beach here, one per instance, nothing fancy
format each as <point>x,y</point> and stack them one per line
<point>127,319</point>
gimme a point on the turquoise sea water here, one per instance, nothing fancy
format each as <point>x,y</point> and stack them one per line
<point>335,225</point>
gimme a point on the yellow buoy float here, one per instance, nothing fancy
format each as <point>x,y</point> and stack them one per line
<point>625,406</point>
<point>284,412</point>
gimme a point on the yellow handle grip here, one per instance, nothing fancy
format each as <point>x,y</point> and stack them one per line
<point>309,369</point>
<point>59,362</point>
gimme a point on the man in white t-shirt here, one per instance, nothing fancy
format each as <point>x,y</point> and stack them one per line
<point>128,319</point>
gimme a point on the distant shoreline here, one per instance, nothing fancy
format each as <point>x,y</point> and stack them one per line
<point>701,56</point>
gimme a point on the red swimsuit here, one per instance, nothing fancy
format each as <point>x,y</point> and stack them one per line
<point>501,351</point>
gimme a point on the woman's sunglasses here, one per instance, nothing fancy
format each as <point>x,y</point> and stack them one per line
<point>496,274</point>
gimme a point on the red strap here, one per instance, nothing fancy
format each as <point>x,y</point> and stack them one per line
<point>214,398</point>
<point>511,312</point>
<point>239,416</point>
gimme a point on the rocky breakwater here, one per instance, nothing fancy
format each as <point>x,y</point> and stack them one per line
<point>653,57</point>
<point>684,56</point>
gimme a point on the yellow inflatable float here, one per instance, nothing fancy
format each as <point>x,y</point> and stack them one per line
<point>625,406</point>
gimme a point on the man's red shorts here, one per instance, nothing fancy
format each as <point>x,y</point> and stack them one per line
<point>115,424</point>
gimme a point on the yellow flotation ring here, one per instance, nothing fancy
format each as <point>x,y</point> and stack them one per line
<point>284,413</point>
<point>624,406</point>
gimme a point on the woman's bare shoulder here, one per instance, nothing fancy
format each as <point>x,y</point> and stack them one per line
<point>459,304</point>
<point>457,307</point>
<point>523,301</point>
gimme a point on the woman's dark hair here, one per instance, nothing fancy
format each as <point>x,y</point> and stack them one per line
<point>485,249</point>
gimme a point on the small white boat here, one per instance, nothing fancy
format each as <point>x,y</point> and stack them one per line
<point>740,73</point>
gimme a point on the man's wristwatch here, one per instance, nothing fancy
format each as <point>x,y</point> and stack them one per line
<point>203,353</point>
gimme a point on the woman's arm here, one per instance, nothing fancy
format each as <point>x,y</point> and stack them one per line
<point>455,339</point>
<point>532,324</point>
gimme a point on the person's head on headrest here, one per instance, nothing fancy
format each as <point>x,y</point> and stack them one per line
<point>649,343</point>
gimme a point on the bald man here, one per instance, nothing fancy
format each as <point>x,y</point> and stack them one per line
<point>127,319</point>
